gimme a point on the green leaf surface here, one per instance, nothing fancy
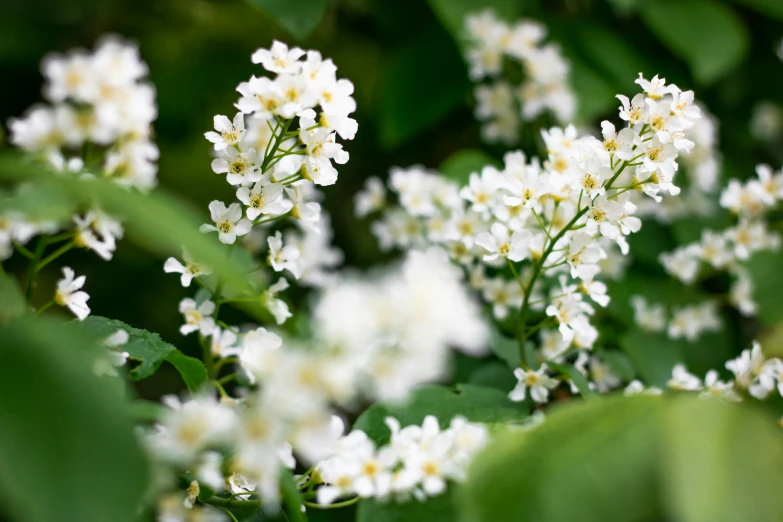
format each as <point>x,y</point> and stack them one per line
<point>298,17</point>
<point>192,370</point>
<point>415,94</point>
<point>292,497</point>
<point>767,7</point>
<point>632,459</point>
<point>12,302</point>
<point>64,430</point>
<point>459,166</point>
<point>765,271</point>
<point>475,403</point>
<point>149,350</point>
<point>706,34</point>
<point>158,222</point>
<point>145,347</point>
<point>653,354</point>
<point>434,509</point>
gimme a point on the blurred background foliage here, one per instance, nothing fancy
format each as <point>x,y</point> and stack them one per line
<point>414,106</point>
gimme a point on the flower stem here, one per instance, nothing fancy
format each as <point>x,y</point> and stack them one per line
<point>338,505</point>
<point>536,272</point>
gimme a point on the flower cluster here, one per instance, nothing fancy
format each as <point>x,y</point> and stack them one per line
<point>100,104</point>
<point>687,322</point>
<point>377,338</point>
<point>754,375</point>
<point>500,104</point>
<point>417,462</point>
<point>729,248</point>
<point>561,218</point>
<point>702,166</point>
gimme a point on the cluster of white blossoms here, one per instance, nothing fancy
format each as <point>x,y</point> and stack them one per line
<point>729,248</point>
<point>376,338</point>
<point>373,338</point>
<point>417,462</point>
<point>99,123</point>
<point>533,235</point>
<point>275,150</point>
<point>753,373</point>
<point>688,322</point>
<point>100,117</point>
<point>701,166</point>
<point>492,43</point>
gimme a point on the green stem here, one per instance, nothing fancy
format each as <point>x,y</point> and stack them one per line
<point>278,141</point>
<point>57,253</point>
<point>39,250</point>
<point>536,272</point>
<point>222,362</point>
<point>229,513</point>
<point>228,378</point>
<point>44,307</point>
<point>338,505</point>
<point>22,250</point>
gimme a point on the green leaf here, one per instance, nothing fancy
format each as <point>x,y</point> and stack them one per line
<point>459,166</point>
<point>298,17</point>
<point>721,463</point>
<point>705,33</point>
<point>434,509</point>
<point>506,349</point>
<point>653,354</point>
<point>452,13</point>
<point>415,93</point>
<point>12,302</point>
<point>764,269</point>
<point>768,7</point>
<point>65,431</point>
<point>595,94</point>
<point>149,349</point>
<point>597,451</point>
<point>192,370</point>
<point>632,459</point>
<point>494,375</point>
<point>611,54</point>
<point>143,346</point>
<point>475,403</point>
<point>619,363</point>
<point>292,497</point>
<point>578,378</point>
<point>158,222</point>
<point>146,411</point>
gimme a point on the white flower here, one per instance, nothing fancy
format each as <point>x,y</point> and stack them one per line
<point>714,387</point>
<point>276,306</point>
<point>754,372</point>
<point>260,353</point>
<point>538,382</point>
<point>197,317</point>
<point>229,133</point>
<point>284,257</point>
<point>279,59</point>
<point>266,200</point>
<point>223,343</point>
<point>241,168</point>
<point>189,270</point>
<point>502,242</point>
<point>229,222</point>
<point>371,198</point>
<point>683,380</point>
<point>69,294</point>
<point>649,317</point>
